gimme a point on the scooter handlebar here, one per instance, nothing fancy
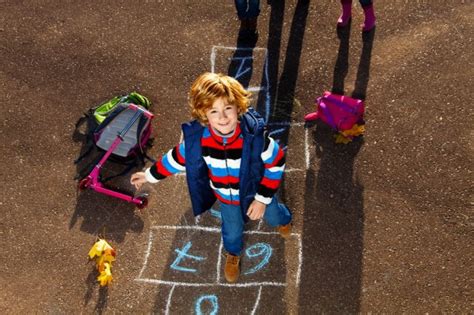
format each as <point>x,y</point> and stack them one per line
<point>144,111</point>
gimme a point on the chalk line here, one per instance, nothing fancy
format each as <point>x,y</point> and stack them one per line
<point>267,90</point>
<point>168,303</point>
<point>209,229</point>
<point>254,89</point>
<point>300,258</point>
<point>219,258</point>
<point>220,284</point>
<point>214,49</point>
<point>257,301</point>
<point>288,170</point>
<point>306,148</point>
<point>286,123</point>
<point>259,224</point>
<point>147,254</point>
<point>237,48</point>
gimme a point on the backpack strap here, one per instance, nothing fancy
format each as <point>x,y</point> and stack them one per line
<point>253,122</point>
<point>89,135</point>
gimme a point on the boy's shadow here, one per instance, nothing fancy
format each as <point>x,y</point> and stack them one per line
<point>102,215</point>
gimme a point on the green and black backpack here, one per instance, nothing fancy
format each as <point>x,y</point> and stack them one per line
<point>105,121</point>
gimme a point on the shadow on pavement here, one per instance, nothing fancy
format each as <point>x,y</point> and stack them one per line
<point>334,206</point>
<point>102,215</point>
<point>273,56</point>
<point>362,79</point>
<point>342,63</point>
<point>243,57</point>
<point>282,90</point>
<point>332,230</point>
<point>91,284</point>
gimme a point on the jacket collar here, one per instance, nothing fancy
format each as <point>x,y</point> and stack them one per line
<point>225,140</point>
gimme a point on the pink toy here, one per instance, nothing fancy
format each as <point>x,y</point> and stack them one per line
<point>92,181</point>
<point>338,111</point>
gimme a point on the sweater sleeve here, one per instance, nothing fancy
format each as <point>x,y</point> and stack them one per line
<point>171,163</point>
<point>273,158</point>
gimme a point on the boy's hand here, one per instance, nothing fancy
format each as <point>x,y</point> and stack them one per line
<point>256,210</point>
<point>138,179</point>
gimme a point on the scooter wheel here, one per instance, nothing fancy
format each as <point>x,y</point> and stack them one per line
<point>84,184</point>
<point>143,202</point>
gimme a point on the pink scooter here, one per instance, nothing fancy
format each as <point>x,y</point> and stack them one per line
<point>92,181</point>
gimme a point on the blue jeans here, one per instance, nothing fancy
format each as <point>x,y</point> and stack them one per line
<point>233,223</point>
<point>247,9</point>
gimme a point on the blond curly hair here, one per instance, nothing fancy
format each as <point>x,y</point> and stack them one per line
<point>208,87</point>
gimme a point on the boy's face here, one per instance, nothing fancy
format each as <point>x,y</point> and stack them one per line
<point>223,116</point>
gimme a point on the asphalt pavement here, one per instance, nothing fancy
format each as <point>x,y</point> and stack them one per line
<point>381,225</point>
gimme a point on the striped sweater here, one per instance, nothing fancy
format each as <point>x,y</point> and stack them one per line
<point>222,156</point>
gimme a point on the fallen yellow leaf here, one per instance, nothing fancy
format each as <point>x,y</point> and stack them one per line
<point>99,248</point>
<point>104,255</point>
<point>341,139</point>
<point>105,276</point>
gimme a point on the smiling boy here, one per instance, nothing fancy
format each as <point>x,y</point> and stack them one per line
<point>228,157</point>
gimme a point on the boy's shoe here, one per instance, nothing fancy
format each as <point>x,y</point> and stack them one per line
<point>232,268</point>
<point>284,230</point>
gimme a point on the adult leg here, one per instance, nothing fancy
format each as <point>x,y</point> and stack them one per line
<point>241,6</point>
<point>369,15</point>
<point>345,14</point>
<point>365,3</point>
<point>252,14</point>
<point>253,8</point>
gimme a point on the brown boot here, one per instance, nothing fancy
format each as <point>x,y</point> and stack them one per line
<point>232,268</point>
<point>285,230</point>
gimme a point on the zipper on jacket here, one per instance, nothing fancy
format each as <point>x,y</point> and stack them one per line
<point>227,170</point>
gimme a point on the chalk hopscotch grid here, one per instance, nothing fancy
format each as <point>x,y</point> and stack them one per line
<point>170,297</point>
<point>266,88</point>
<point>217,230</point>
<point>217,283</point>
<point>250,88</point>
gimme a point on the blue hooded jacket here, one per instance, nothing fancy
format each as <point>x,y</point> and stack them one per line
<point>251,166</point>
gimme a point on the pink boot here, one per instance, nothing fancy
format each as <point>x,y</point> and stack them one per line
<point>369,21</point>
<point>346,13</point>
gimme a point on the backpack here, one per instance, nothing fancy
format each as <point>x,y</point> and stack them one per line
<point>101,112</point>
<point>107,120</point>
<point>343,114</point>
<point>253,121</point>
